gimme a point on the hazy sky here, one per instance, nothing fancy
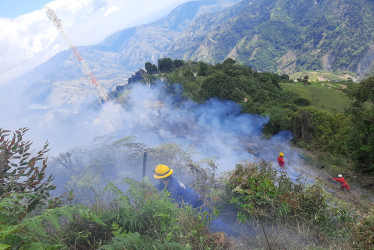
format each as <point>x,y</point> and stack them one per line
<point>28,38</point>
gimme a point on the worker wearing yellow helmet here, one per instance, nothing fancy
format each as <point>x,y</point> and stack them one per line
<point>281,161</point>
<point>178,191</point>
<point>184,194</point>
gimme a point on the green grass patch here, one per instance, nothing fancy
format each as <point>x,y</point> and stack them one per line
<point>323,95</point>
<point>317,76</point>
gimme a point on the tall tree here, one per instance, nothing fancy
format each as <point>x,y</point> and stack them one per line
<point>361,140</point>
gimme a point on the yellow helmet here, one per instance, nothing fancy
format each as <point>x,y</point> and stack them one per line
<point>162,171</point>
<point>281,154</point>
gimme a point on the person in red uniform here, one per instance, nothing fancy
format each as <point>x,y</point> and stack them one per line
<point>343,182</point>
<point>281,160</point>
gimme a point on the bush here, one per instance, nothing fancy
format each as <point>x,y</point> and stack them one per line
<point>150,218</point>
<point>321,130</point>
<point>364,232</point>
<point>141,218</point>
<point>21,173</point>
<point>260,192</point>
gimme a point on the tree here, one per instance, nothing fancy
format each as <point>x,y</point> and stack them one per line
<point>203,69</point>
<point>361,140</point>
<point>165,65</point>
<point>178,63</point>
<point>150,68</point>
<point>229,61</point>
<point>21,173</point>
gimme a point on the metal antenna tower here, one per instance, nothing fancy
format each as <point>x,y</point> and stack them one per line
<point>99,91</point>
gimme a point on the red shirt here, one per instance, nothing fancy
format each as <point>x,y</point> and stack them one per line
<point>343,182</point>
<point>281,161</point>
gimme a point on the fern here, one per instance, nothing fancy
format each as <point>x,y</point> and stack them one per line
<point>46,228</point>
<point>4,247</point>
<point>137,241</point>
<point>13,207</point>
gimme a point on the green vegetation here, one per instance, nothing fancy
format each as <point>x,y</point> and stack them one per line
<point>322,95</point>
<point>21,173</point>
<point>321,115</point>
<point>267,197</point>
<point>321,76</point>
<point>361,137</point>
<point>306,215</point>
<point>142,218</point>
<point>320,33</point>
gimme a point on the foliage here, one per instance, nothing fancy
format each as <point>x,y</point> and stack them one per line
<point>321,130</point>
<point>140,218</point>
<point>316,113</point>
<point>361,137</point>
<point>167,64</point>
<point>20,172</point>
<point>259,191</point>
<point>364,232</point>
<point>83,169</point>
<point>150,68</point>
<point>311,30</point>
<point>322,95</point>
<point>51,228</point>
<point>148,219</point>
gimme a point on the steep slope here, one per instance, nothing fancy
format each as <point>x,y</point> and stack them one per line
<point>286,36</point>
<point>159,39</point>
<point>283,36</point>
<point>60,81</point>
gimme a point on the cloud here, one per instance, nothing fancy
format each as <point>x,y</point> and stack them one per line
<point>111,11</point>
<point>31,39</point>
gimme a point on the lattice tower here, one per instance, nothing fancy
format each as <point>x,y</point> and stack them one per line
<point>92,81</point>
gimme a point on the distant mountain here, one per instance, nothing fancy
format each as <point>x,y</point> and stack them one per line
<point>287,36</point>
<point>60,81</point>
<point>284,36</point>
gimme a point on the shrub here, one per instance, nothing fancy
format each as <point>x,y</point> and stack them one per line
<point>259,191</point>
<point>21,173</point>
<point>148,219</point>
<point>364,232</point>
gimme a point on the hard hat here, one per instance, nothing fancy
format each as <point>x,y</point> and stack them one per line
<point>162,171</point>
<point>281,154</point>
<point>340,176</point>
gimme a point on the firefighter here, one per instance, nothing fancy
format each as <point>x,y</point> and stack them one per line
<point>281,160</point>
<point>343,182</point>
<point>179,192</point>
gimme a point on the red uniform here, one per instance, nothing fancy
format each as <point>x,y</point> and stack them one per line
<point>343,182</point>
<point>281,161</point>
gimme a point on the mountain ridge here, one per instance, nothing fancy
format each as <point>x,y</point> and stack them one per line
<point>281,36</point>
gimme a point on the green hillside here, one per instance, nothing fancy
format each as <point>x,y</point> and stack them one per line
<point>323,95</point>
<point>287,36</point>
<point>327,117</point>
<point>256,205</point>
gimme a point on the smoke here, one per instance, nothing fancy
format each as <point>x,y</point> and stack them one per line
<point>214,130</point>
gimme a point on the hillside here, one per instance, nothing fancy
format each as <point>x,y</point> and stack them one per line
<point>287,36</point>
<point>280,36</point>
<point>323,95</point>
<point>247,200</point>
<point>111,61</point>
<point>273,35</point>
<point>212,102</point>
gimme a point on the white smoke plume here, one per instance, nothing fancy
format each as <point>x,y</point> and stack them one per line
<point>215,130</point>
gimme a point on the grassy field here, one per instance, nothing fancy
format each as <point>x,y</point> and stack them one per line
<point>318,76</point>
<point>324,95</point>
